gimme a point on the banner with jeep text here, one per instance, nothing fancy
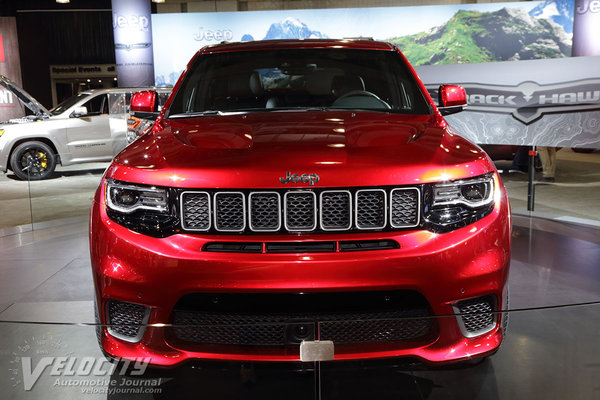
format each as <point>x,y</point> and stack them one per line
<point>515,58</point>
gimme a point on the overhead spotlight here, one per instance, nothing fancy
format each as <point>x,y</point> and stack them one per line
<point>158,1</point>
<point>63,1</point>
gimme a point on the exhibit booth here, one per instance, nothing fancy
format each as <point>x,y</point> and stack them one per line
<point>306,232</point>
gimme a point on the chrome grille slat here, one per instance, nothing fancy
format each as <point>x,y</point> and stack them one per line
<point>195,211</point>
<point>336,210</point>
<point>300,211</point>
<point>403,213</point>
<point>230,212</point>
<point>370,209</point>
<point>264,211</point>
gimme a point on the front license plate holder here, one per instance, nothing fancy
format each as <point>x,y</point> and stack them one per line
<point>316,350</point>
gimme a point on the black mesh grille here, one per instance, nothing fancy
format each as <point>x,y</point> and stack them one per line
<point>229,210</point>
<point>277,319</point>
<point>482,317</point>
<point>404,207</point>
<point>273,329</point>
<point>228,329</point>
<point>380,327</point>
<point>370,209</point>
<point>125,318</point>
<point>300,210</point>
<point>196,211</point>
<point>264,211</point>
<point>335,210</point>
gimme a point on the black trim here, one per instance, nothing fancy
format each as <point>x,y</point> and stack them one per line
<point>233,247</point>
<point>365,245</point>
<point>300,247</point>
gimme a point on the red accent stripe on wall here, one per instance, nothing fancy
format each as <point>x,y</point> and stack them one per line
<point>2,59</point>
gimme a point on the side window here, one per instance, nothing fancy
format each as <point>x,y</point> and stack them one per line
<point>97,105</point>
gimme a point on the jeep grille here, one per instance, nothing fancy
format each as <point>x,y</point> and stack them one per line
<point>301,210</point>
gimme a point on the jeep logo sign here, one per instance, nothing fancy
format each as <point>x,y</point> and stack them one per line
<point>304,178</point>
<point>132,32</point>
<point>529,101</point>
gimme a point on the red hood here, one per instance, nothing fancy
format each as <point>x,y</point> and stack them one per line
<point>255,149</point>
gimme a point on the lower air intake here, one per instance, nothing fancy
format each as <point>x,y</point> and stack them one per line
<point>273,319</point>
<point>127,320</point>
<point>477,315</point>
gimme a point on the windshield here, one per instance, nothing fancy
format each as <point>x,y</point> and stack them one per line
<point>268,80</point>
<point>68,103</point>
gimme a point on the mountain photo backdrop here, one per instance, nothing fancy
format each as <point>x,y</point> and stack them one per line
<point>504,35</point>
<point>427,35</point>
<point>510,33</point>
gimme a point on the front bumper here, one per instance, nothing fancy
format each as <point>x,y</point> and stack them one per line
<point>444,268</point>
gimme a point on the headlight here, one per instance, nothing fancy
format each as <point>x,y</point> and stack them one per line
<point>126,198</point>
<point>469,192</point>
<point>454,204</point>
<point>1,132</point>
<point>141,208</point>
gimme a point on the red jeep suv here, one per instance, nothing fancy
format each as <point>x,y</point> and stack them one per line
<point>295,193</point>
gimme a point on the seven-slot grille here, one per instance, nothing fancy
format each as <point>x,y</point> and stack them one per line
<point>300,210</point>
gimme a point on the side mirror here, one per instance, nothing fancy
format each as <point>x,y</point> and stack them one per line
<point>144,104</point>
<point>79,112</point>
<point>452,99</point>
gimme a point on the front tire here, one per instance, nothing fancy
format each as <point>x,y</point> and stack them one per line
<point>33,161</point>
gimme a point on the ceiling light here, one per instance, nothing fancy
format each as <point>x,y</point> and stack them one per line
<point>63,1</point>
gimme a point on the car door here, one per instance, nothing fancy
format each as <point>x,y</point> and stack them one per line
<point>88,135</point>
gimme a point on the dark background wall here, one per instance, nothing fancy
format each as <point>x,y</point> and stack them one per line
<point>50,33</point>
<point>82,37</point>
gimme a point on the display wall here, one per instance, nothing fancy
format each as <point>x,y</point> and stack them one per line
<point>488,48</point>
<point>48,330</point>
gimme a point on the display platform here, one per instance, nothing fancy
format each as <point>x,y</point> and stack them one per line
<point>551,350</point>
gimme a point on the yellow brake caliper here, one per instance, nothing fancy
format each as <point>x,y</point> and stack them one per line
<point>44,158</point>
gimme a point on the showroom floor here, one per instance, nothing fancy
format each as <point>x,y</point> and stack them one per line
<point>551,350</point>
<point>575,194</point>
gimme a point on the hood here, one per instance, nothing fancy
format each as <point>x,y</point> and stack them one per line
<point>256,149</point>
<point>25,98</point>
